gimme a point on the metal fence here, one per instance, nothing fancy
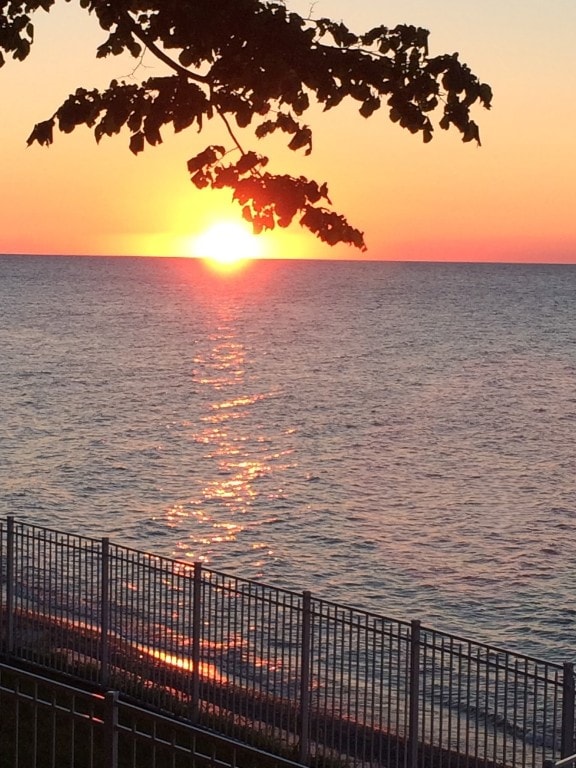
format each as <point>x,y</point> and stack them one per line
<point>302,676</point>
<point>47,724</point>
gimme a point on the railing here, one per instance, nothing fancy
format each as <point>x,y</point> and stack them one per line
<point>308,677</point>
<point>47,724</point>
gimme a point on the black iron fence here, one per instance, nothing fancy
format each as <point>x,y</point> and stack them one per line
<point>309,678</point>
<point>48,724</point>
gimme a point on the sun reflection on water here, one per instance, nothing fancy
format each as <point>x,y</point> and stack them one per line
<point>207,671</point>
<point>231,450</point>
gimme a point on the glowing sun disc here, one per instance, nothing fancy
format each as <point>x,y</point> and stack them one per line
<point>227,243</point>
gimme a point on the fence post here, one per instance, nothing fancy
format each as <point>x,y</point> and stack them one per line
<point>196,629</point>
<point>10,586</point>
<point>105,612</point>
<point>305,676</point>
<point>567,744</point>
<point>111,729</point>
<point>414,694</point>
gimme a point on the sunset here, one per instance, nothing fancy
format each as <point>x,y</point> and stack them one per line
<point>227,245</point>
<point>288,345</point>
<point>508,200</point>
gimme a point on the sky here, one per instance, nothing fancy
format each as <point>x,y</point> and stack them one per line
<point>511,199</point>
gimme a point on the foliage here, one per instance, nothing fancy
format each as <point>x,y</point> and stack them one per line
<point>254,64</point>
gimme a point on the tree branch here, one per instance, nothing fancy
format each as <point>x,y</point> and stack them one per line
<point>158,52</point>
<point>229,129</point>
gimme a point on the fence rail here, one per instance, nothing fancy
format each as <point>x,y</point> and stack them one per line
<point>308,677</point>
<point>46,724</point>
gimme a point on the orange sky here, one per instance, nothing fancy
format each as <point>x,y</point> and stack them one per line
<point>510,200</point>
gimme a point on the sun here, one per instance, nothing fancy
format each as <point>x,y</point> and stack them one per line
<point>227,244</point>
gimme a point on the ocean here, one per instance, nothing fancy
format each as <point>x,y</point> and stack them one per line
<point>400,437</point>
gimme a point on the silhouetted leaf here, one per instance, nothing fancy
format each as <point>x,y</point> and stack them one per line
<point>209,156</point>
<point>370,106</point>
<point>137,142</point>
<point>42,133</point>
<point>472,133</point>
<point>248,161</point>
<point>186,57</point>
<point>302,138</point>
<point>152,133</point>
<point>200,180</point>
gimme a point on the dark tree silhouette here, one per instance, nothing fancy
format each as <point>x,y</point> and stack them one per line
<point>254,64</point>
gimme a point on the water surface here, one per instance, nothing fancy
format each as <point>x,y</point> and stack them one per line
<point>399,437</point>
